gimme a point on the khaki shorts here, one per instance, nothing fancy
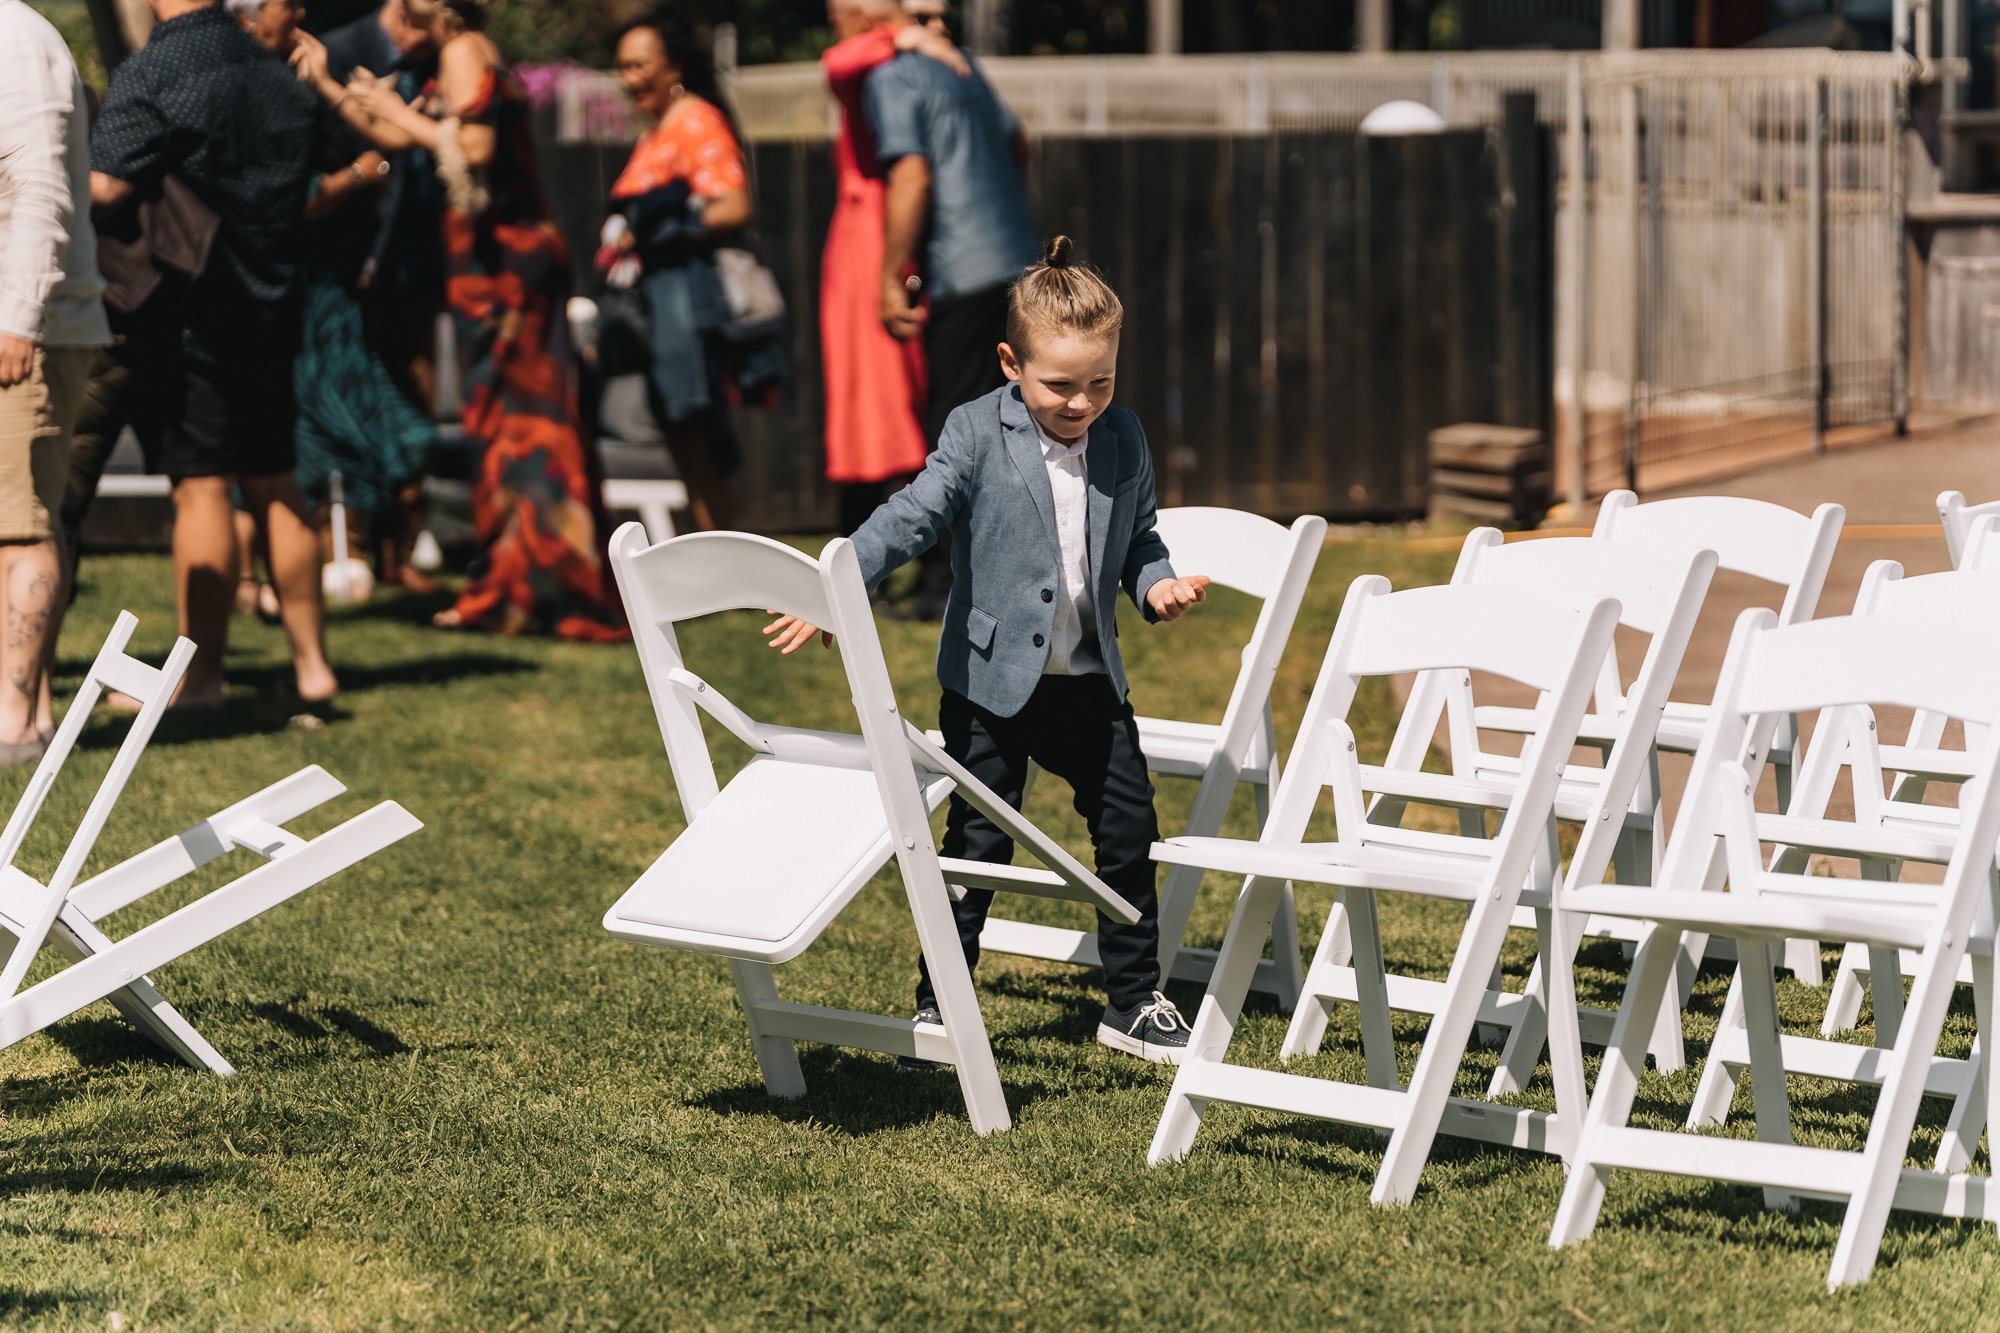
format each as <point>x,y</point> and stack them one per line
<point>36,417</point>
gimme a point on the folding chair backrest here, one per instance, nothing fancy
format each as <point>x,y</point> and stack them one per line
<point>1553,649</point>
<point>153,688</point>
<point>1753,537</point>
<point>1958,519</point>
<point>1252,555</point>
<point>1653,591</point>
<point>1968,595</point>
<point>1939,668</point>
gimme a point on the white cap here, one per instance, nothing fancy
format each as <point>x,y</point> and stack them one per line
<point>1402,118</point>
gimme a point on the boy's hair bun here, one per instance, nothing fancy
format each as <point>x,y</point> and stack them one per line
<point>1061,295</point>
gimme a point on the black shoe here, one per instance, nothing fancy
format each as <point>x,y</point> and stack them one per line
<point>1153,1031</point>
<point>910,1064</point>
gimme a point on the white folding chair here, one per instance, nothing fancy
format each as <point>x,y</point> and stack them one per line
<point>839,804</point>
<point>1958,518</point>
<point>70,914</point>
<point>1254,556</point>
<point>1969,593</point>
<point>1825,665</point>
<point>1847,740</point>
<point>1765,541</point>
<point>1380,633</point>
<point>1616,805</point>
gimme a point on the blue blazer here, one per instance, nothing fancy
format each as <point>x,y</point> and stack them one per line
<point>988,484</point>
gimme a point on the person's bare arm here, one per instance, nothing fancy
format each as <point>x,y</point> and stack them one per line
<point>363,176</point>
<point>727,212</point>
<point>107,193</point>
<point>908,204</point>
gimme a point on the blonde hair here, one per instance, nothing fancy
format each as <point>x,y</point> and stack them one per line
<point>459,15</point>
<point>1061,296</point>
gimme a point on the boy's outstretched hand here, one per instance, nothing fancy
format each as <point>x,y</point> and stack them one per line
<point>788,634</point>
<point>1170,598</point>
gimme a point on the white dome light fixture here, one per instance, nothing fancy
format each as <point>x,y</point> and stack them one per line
<point>1402,117</point>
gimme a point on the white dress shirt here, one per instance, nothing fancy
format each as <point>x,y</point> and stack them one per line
<point>50,291</point>
<point>1073,642</point>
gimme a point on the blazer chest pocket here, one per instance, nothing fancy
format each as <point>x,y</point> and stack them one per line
<point>979,628</point>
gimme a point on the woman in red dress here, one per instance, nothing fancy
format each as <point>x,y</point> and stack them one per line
<point>875,385</point>
<point>541,564</point>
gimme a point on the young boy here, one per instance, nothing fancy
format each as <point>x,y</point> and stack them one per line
<point>1048,493</point>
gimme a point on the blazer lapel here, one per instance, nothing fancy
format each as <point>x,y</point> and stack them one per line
<point>1100,463</point>
<point>1024,446</point>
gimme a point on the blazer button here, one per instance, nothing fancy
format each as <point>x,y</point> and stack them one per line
<point>1039,641</point>
<point>1048,595</point>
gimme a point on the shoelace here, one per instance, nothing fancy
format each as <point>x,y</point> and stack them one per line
<point>1163,1013</point>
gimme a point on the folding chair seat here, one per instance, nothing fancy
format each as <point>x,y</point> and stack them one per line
<point>1831,666</point>
<point>1449,630</point>
<point>1616,805</point>
<point>70,914</point>
<point>1958,519</point>
<point>1261,559</point>
<point>841,805</point>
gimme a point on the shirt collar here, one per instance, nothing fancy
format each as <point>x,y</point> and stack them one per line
<point>1055,451</point>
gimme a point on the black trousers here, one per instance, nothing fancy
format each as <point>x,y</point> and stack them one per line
<point>1080,731</point>
<point>961,344</point>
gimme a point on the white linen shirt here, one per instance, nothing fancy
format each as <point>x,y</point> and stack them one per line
<point>50,291</point>
<point>1073,641</point>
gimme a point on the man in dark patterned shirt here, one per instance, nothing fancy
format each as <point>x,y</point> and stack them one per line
<point>204,101</point>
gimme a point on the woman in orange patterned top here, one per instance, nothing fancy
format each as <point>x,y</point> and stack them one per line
<point>541,564</point>
<point>685,189</point>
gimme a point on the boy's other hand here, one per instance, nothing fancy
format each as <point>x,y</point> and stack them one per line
<point>1170,598</point>
<point>788,634</point>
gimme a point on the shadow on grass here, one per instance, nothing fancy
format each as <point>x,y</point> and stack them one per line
<point>99,1042</point>
<point>16,1303</point>
<point>857,1095</point>
<point>321,1023</point>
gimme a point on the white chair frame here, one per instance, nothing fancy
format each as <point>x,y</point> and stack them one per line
<point>1831,664</point>
<point>1765,541</point>
<point>871,795</point>
<point>70,914</point>
<point>1265,560</point>
<point>1957,518</point>
<point>1969,596</point>
<point>1616,806</point>
<point>1380,634</point>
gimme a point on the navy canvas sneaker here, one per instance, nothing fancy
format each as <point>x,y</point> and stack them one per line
<point>1153,1031</point>
<point>910,1063</point>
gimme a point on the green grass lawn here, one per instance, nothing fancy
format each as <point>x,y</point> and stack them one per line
<point>461,1104</point>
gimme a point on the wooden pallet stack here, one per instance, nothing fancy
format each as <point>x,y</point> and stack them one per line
<point>1495,474</point>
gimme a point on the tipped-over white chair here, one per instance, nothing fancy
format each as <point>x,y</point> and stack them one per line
<point>1519,638</point>
<point>70,914</point>
<point>1616,805</point>
<point>1765,541</point>
<point>1831,664</point>
<point>841,805</point>
<point>1251,555</point>
<point>1958,518</point>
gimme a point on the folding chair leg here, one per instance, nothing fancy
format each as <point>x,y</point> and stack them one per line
<point>1371,989</point>
<point>143,1007</point>
<point>1289,978</point>
<point>1801,959</point>
<point>1960,1142</point>
<point>951,982</point>
<point>1885,979</point>
<point>1443,1050</point>
<point>1531,1025</point>
<point>1315,1007</point>
<point>1565,1033</point>
<point>777,1057</point>
<point>1895,1116</point>
<point>1215,1022</point>
<point>1767,1061</point>
<point>1969,1111</point>
<point>1715,1092</point>
<point>1843,1008</point>
<point>1617,1081</point>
